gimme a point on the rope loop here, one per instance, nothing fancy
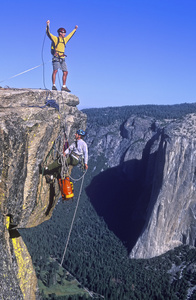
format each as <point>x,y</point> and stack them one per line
<point>68,238</point>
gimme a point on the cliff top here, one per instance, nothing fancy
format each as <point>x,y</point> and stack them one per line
<point>10,98</point>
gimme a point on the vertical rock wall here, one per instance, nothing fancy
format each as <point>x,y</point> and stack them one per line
<point>170,217</point>
<point>28,131</point>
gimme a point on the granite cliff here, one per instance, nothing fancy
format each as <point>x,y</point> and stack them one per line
<point>142,170</point>
<point>148,178</point>
<point>28,130</point>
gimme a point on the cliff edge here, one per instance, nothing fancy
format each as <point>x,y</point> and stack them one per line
<point>28,130</point>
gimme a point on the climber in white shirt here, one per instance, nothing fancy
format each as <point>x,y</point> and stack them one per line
<point>77,150</point>
<point>74,154</point>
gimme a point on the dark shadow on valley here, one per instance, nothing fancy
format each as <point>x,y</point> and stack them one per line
<point>125,195</point>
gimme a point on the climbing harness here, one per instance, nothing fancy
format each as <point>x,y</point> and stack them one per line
<point>53,48</point>
<point>65,167</point>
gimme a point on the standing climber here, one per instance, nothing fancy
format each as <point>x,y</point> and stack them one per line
<point>57,50</point>
<point>75,153</point>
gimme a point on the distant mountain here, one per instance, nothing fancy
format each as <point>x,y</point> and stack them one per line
<point>145,189</point>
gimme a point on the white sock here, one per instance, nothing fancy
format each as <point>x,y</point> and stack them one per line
<point>64,85</point>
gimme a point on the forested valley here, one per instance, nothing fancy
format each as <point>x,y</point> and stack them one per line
<point>95,256</point>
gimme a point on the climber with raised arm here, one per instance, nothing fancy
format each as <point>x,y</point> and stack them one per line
<point>57,50</point>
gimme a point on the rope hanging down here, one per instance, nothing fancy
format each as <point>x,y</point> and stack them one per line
<point>65,169</point>
<point>72,221</point>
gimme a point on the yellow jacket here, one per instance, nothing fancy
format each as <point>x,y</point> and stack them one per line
<point>61,45</point>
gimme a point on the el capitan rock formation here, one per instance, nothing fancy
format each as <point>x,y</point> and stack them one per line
<point>148,177</point>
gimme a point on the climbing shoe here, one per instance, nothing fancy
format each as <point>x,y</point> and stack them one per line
<point>49,178</point>
<point>54,88</point>
<point>65,89</point>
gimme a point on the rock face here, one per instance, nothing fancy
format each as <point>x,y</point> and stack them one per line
<point>149,188</point>
<point>171,214</point>
<point>28,131</point>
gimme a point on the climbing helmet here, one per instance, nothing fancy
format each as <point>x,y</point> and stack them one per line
<point>61,30</point>
<point>80,132</point>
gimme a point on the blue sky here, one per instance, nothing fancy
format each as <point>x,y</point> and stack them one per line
<point>125,52</point>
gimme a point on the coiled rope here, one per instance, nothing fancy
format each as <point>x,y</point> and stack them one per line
<point>65,168</point>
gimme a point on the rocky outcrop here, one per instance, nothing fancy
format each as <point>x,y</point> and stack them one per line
<point>171,213</point>
<point>28,131</point>
<point>149,197</point>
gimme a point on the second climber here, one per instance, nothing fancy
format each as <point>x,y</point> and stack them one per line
<point>74,154</point>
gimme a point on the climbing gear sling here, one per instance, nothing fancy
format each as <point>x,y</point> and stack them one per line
<point>53,48</point>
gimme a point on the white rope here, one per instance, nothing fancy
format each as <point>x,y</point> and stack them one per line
<point>78,179</point>
<point>72,221</point>
<point>65,169</point>
<point>24,72</point>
